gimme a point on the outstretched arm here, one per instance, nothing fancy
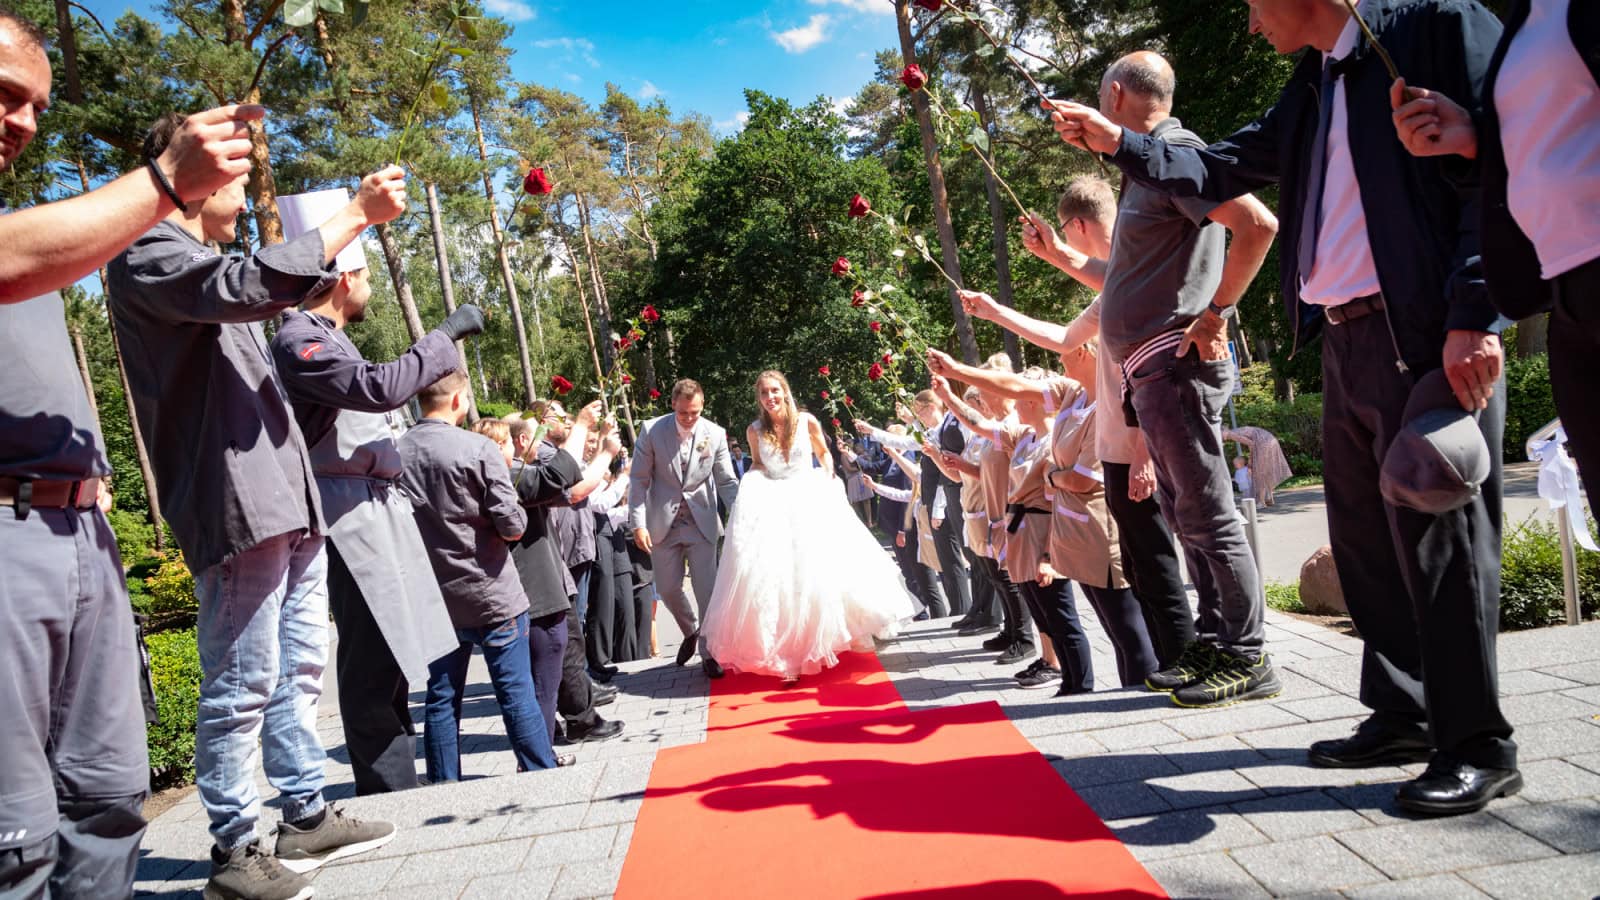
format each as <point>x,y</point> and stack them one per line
<point>1005,384</point>
<point>968,414</point>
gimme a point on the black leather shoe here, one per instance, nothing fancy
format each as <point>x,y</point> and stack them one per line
<point>603,694</point>
<point>610,670</point>
<point>998,642</point>
<point>976,628</point>
<point>1367,748</point>
<point>1450,787</point>
<point>601,730</point>
<point>600,676</point>
<point>963,622</point>
<point>690,645</point>
<point>712,667</point>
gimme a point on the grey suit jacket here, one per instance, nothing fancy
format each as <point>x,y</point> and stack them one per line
<point>659,486</point>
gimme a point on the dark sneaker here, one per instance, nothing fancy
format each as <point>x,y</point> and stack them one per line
<point>1015,653</point>
<point>977,628</point>
<point>1032,669</point>
<point>998,642</point>
<point>250,873</point>
<point>1045,676</point>
<point>1234,680</point>
<point>338,836</point>
<point>1197,660</point>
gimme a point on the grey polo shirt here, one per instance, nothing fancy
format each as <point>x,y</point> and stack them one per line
<point>47,430</point>
<point>467,511</point>
<point>1166,260</point>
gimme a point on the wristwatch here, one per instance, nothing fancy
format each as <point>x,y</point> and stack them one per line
<point>1221,312</point>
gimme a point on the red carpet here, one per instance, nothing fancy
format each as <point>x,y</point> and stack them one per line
<point>835,790</point>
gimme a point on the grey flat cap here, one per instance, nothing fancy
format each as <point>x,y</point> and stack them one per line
<point>1439,460</point>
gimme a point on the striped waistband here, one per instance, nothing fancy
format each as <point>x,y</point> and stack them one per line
<point>1161,342</point>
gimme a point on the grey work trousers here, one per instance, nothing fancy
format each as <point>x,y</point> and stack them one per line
<point>75,770</point>
<point>1179,402</point>
<point>685,543</point>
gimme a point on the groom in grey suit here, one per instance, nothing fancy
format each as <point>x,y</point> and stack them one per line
<point>680,470</point>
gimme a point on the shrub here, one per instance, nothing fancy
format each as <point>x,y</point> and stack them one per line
<point>136,538</point>
<point>491,409</point>
<point>170,589</point>
<point>1296,425</point>
<point>1284,597</point>
<point>1529,402</point>
<point>1531,589</point>
<point>175,671</point>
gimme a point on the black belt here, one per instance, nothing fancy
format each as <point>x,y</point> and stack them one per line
<point>1017,511</point>
<point>25,493</point>
<point>1355,309</point>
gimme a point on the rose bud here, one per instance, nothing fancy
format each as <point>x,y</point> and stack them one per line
<point>859,207</point>
<point>888,358</point>
<point>824,395</point>
<point>848,401</point>
<point>627,379</point>
<point>655,394</point>
<point>858,299</point>
<point>823,371</point>
<point>875,326</point>
<point>841,267</point>
<point>836,423</point>
<point>912,77</point>
<point>537,183</point>
<point>874,372</point>
<point>636,335</point>
<point>929,5</point>
<point>649,315</point>
<point>560,385</point>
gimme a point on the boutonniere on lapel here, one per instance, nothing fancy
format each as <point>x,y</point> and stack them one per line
<point>703,447</point>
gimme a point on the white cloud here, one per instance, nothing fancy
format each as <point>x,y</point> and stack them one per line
<point>648,91</point>
<point>799,40</point>
<point>572,77</point>
<point>736,123</point>
<point>574,47</point>
<point>880,7</point>
<point>840,105</point>
<point>510,10</point>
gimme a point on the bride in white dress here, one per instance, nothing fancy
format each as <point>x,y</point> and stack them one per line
<point>800,579</point>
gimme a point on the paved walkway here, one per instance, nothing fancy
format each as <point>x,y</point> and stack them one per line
<point>1216,803</point>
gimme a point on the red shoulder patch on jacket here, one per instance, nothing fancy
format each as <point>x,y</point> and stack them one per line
<point>310,351</point>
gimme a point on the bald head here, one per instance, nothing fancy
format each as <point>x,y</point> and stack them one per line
<point>1146,76</point>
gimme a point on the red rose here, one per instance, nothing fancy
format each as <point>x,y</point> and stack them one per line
<point>858,299</point>
<point>537,183</point>
<point>649,315</point>
<point>875,326</point>
<point>848,401</point>
<point>636,335</point>
<point>836,423</point>
<point>560,385</point>
<point>824,395</point>
<point>622,342</point>
<point>859,207</point>
<point>627,379</point>
<point>929,5</point>
<point>874,372</point>
<point>841,267</point>
<point>655,394</point>
<point>912,77</point>
<point>823,371</point>
<point>888,358</point>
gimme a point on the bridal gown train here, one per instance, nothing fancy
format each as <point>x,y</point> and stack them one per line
<point>801,579</point>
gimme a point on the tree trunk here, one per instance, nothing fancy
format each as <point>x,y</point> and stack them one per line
<point>260,186</point>
<point>152,498</point>
<point>505,261</point>
<point>1533,336</point>
<point>1241,343</point>
<point>941,200</point>
<point>67,39</point>
<point>602,304</point>
<point>402,284</point>
<point>447,289</point>
<point>997,218</point>
<point>83,370</point>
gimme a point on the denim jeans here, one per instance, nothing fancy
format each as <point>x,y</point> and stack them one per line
<point>1179,402</point>
<point>505,649</point>
<point>263,635</point>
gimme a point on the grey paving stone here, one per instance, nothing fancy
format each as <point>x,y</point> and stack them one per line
<point>449,866</point>
<point>1557,779</point>
<point>1205,876</point>
<point>617,810</point>
<point>1528,709</point>
<point>528,884</point>
<point>1571,826</point>
<point>1194,789</point>
<point>1582,673</point>
<point>619,847</point>
<point>1131,737</point>
<point>1121,801</point>
<point>1310,864</point>
<point>1186,832</point>
<point>1589,762</point>
<point>1546,647</point>
<point>568,847</point>
<point>1291,775</point>
<point>1589,695</point>
<point>1334,672</point>
<point>358,875</point>
<point>1563,737</point>
<point>545,820</point>
<point>1067,746</point>
<point>1113,768</point>
<point>1291,741</point>
<point>1434,887</point>
<point>1529,681</point>
<point>594,879</point>
<point>1567,878</point>
<point>1290,816</point>
<point>1443,845</point>
<point>1211,754</point>
<point>1235,719</point>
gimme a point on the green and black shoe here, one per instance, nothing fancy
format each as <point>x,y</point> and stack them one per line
<point>1197,660</point>
<point>1234,680</point>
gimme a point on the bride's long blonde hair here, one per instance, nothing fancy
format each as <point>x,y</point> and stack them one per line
<point>779,432</point>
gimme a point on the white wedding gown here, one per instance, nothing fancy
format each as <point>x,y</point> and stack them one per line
<point>800,579</point>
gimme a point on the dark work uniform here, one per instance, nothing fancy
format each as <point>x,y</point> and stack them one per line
<point>947,537</point>
<point>552,618</point>
<point>73,767</point>
<point>382,591</point>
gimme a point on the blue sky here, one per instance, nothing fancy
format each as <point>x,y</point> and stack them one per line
<point>698,55</point>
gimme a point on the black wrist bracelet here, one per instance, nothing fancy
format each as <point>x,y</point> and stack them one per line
<point>166,186</point>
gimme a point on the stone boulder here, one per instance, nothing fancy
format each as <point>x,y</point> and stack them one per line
<point>1319,585</point>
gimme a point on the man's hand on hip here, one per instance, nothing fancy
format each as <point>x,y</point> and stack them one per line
<point>1209,334</point>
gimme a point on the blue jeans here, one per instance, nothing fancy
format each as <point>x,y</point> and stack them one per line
<point>505,649</point>
<point>263,635</point>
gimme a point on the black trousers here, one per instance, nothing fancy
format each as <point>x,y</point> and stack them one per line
<point>955,579</point>
<point>1150,564</point>
<point>1423,590</point>
<point>934,601</point>
<point>575,697</point>
<point>373,694</point>
<point>984,599</point>
<point>1574,347</point>
<point>910,569</point>
<point>625,621</point>
<point>1123,620</point>
<point>547,646</point>
<point>600,623</point>
<point>1014,622</point>
<point>1056,613</point>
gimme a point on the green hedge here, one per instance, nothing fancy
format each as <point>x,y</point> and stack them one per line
<point>1529,402</point>
<point>491,409</point>
<point>175,670</point>
<point>1297,426</point>
<point>1531,590</point>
